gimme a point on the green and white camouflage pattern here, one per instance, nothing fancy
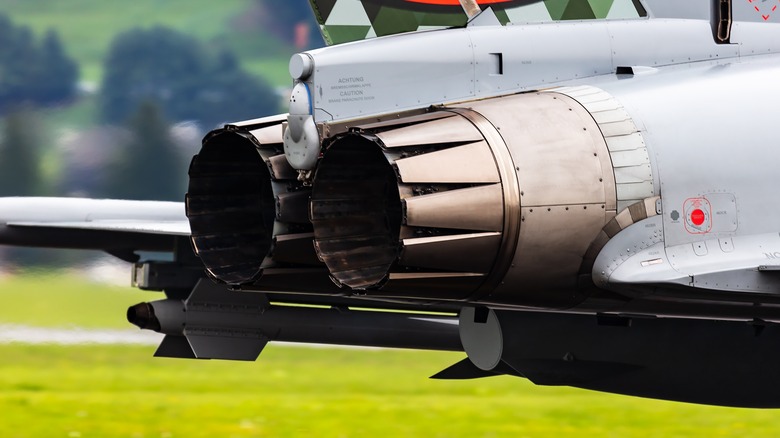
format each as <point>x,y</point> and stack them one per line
<point>343,21</point>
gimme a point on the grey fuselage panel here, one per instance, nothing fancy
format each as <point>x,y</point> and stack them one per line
<point>396,73</point>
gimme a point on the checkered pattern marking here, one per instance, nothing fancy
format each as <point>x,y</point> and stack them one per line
<point>351,20</point>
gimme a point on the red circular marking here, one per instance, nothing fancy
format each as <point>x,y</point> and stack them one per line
<point>697,217</point>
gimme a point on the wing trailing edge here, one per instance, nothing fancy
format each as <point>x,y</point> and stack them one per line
<point>115,226</point>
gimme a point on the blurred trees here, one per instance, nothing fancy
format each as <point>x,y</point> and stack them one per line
<point>32,73</point>
<point>290,12</point>
<point>177,72</point>
<point>19,155</point>
<point>124,149</point>
<point>148,166</point>
<point>60,73</point>
<point>285,19</point>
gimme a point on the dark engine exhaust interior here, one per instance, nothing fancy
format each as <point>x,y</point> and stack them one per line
<point>356,212</point>
<point>230,206</point>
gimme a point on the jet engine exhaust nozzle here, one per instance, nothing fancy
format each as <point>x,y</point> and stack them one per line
<point>247,211</point>
<point>412,206</point>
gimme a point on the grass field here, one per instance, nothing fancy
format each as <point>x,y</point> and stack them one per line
<point>65,300</point>
<point>121,390</point>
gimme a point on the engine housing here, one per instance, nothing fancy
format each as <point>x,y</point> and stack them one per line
<point>496,200</point>
<point>501,201</point>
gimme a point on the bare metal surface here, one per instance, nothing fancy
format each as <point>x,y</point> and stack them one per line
<point>377,122</point>
<point>433,275</point>
<point>556,146</point>
<point>401,119</point>
<point>295,248</point>
<point>470,7</point>
<point>561,162</point>
<point>484,210</point>
<point>471,187</point>
<point>449,185</point>
<point>260,123</point>
<point>511,202</point>
<point>623,219</point>
<point>471,163</point>
<point>460,252</point>
<point>544,151</point>
<point>633,176</point>
<point>293,207</point>
<point>563,165</point>
<point>280,168</point>
<point>441,131</point>
<point>550,251</point>
<point>268,135</point>
<point>627,217</point>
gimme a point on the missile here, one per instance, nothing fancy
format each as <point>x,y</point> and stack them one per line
<point>215,323</point>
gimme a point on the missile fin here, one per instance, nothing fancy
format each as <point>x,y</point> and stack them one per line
<point>466,369</point>
<point>462,370</point>
<point>175,346</point>
<point>212,344</point>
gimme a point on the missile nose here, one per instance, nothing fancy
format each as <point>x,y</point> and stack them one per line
<point>142,315</point>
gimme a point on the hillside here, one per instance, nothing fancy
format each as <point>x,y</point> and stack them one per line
<point>72,134</point>
<point>87,28</point>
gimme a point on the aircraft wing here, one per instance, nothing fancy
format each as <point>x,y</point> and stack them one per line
<point>174,228</point>
<point>119,227</point>
<point>353,20</point>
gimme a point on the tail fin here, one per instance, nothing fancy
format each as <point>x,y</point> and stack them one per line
<point>351,20</point>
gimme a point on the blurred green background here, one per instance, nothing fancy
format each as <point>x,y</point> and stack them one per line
<point>110,99</point>
<point>76,75</point>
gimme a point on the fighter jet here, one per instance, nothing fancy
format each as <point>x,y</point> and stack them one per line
<point>575,192</point>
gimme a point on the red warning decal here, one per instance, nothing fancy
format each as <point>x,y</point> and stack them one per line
<point>765,7</point>
<point>698,215</point>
